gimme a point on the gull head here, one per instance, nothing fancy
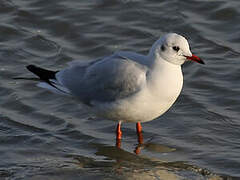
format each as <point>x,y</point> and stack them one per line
<point>173,48</point>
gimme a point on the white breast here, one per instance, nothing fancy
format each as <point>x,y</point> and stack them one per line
<point>161,90</point>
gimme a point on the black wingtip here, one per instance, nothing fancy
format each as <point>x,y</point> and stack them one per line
<point>31,67</point>
<point>43,74</point>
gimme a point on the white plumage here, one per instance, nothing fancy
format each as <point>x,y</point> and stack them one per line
<point>126,86</point>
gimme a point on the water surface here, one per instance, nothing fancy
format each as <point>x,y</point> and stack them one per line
<point>47,136</point>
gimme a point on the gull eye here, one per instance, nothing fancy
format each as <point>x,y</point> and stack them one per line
<point>175,48</point>
<point>162,48</point>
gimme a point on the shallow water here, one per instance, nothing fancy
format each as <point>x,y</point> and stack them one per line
<point>47,136</point>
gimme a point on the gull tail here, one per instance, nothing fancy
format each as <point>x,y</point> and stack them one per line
<point>47,79</point>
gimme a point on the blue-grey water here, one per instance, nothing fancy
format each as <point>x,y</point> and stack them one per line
<point>47,136</point>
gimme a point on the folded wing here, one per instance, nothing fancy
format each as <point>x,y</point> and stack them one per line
<point>105,80</point>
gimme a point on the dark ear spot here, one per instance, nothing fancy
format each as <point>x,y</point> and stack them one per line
<point>162,48</point>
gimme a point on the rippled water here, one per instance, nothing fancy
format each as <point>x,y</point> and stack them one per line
<point>47,136</point>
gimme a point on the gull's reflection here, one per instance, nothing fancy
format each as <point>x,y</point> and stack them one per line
<point>150,146</point>
<point>126,165</point>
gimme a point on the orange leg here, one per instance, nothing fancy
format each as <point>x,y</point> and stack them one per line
<point>140,137</point>
<point>118,135</point>
<point>139,133</point>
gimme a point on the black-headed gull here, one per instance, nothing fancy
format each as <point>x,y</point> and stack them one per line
<point>126,86</point>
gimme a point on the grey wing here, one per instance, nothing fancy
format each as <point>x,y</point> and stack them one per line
<point>106,80</point>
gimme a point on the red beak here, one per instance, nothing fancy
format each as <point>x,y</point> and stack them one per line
<point>195,58</point>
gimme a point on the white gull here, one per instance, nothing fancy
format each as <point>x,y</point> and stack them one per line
<point>126,86</point>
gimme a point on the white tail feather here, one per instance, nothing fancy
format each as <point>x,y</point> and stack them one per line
<point>57,88</point>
